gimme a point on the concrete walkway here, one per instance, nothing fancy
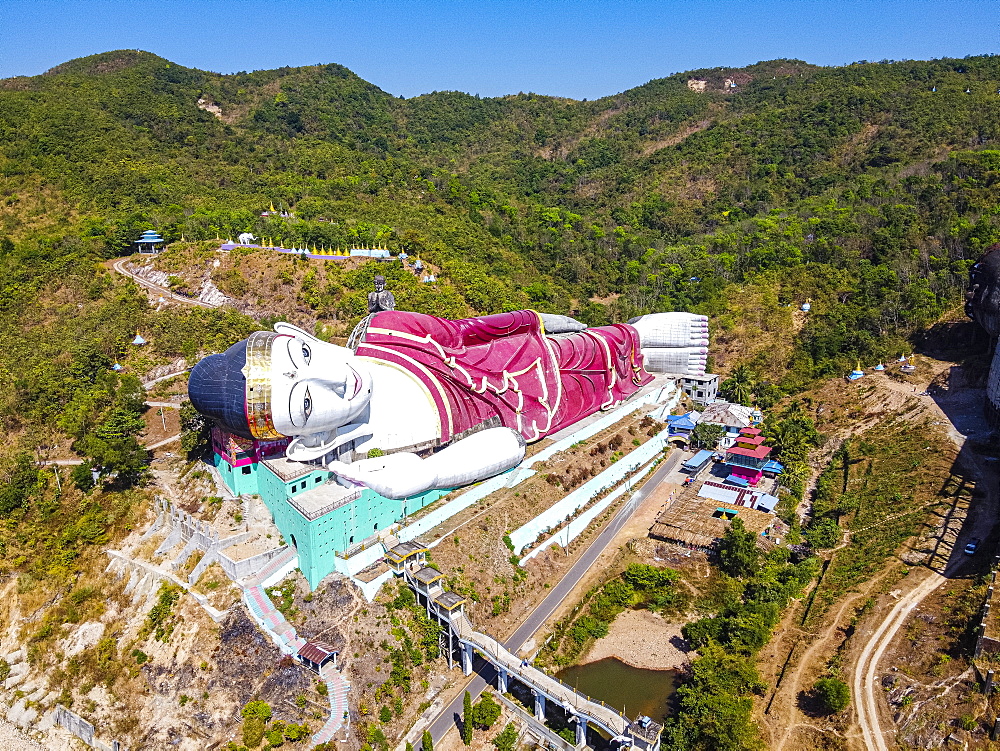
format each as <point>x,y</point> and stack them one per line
<point>283,634</point>
<point>597,712</point>
<point>77,462</point>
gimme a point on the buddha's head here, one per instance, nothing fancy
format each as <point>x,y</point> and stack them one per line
<point>281,383</point>
<point>983,298</point>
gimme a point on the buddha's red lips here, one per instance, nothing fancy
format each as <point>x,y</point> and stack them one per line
<point>357,382</point>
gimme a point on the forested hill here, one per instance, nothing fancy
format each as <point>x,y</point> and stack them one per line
<point>868,189</point>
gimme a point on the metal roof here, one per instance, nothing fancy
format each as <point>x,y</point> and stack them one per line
<point>427,575</point>
<point>449,600</point>
<point>404,550</point>
<point>700,458</point>
<point>758,453</point>
<point>317,651</point>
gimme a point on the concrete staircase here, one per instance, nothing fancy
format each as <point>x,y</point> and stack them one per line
<point>271,620</point>
<point>283,634</point>
<point>337,687</point>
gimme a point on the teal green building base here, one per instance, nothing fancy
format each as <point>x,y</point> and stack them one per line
<point>320,540</point>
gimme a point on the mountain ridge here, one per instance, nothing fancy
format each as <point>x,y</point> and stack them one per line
<point>603,209</point>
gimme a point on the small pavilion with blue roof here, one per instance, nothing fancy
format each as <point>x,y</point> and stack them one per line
<point>150,242</point>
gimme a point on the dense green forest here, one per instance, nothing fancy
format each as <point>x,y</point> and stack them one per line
<point>867,190</point>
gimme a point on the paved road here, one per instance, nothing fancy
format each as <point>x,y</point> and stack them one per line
<point>76,462</point>
<point>164,442</point>
<point>151,383</point>
<point>449,715</point>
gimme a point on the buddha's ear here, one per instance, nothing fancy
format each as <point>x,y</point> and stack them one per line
<point>286,328</point>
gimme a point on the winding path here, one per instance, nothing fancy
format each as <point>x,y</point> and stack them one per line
<point>119,266</point>
<point>864,674</point>
<point>981,521</point>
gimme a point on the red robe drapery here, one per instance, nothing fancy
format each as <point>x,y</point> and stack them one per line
<point>502,369</point>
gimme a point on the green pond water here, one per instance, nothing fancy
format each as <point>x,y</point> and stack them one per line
<point>637,690</point>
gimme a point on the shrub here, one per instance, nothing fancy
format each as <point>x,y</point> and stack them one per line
<point>274,737</point>
<point>823,534</point>
<point>258,709</point>
<point>295,732</point>
<point>832,694</point>
<point>486,712</point>
<point>506,739</point>
<point>253,731</point>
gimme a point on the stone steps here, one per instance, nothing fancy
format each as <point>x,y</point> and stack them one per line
<point>265,613</point>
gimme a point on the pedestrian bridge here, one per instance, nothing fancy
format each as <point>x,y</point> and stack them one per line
<point>407,560</point>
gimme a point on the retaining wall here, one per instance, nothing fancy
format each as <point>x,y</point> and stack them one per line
<point>576,527</point>
<point>237,570</point>
<point>82,729</point>
<point>564,509</point>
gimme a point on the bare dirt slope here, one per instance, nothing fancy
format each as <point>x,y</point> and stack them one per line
<point>867,623</point>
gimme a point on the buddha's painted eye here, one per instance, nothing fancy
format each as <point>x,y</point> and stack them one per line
<point>307,405</point>
<point>306,353</point>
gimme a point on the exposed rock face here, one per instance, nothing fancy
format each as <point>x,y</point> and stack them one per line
<point>983,306</point>
<point>983,298</point>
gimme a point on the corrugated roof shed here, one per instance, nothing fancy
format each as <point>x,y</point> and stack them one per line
<point>728,414</point>
<point>698,459</point>
<point>316,651</point>
<point>743,497</point>
<point>428,575</point>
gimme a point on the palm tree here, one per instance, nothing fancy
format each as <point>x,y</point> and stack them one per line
<point>740,385</point>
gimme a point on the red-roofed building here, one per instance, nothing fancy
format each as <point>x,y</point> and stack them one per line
<point>747,462</point>
<point>315,654</point>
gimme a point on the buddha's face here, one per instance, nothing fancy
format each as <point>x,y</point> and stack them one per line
<point>315,386</point>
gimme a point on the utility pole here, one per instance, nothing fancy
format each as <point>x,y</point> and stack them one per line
<point>163,419</point>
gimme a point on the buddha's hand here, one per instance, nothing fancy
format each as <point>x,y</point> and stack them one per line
<point>474,458</point>
<point>394,476</point>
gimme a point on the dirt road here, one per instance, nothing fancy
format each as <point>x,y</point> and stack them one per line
<point>961,417</point>
<point>799,657</point>
<point>864,674</point>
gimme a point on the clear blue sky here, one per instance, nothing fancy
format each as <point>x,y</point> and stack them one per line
<point>580,48</point>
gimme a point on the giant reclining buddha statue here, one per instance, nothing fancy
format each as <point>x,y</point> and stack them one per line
<point>446,402</point>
